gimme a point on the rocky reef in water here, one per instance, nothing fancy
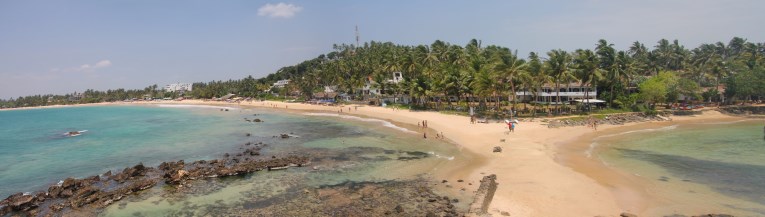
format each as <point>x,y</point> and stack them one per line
<point>388,198</point>
<point>87,196</point>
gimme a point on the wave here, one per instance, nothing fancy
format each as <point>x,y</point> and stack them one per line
<point>667,128</point>
<point>726,122</point>
<point>595,144</point>
<point>195,106</point>
<point>383,122</point>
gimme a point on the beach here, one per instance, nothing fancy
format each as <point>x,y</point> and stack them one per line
<point>540,171</point>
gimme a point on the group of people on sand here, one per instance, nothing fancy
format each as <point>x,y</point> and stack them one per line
<point>511,126</point>
<point>592,123</point>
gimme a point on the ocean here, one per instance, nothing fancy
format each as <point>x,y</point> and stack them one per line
<point>36,153</point>
<point>711,167</point>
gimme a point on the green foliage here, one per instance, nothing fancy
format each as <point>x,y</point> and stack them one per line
<point>488,75</point>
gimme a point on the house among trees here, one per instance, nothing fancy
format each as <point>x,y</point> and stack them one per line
<point>281,83</point>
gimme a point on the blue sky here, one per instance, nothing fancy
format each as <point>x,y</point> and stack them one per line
<point>65,46</point>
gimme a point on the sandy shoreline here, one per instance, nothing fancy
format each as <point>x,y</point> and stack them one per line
<point>541,171</point>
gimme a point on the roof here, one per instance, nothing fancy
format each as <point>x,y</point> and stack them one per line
<point>227,96</point>
<point>590,101</point>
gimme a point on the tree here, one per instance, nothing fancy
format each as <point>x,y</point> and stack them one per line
<point>587,70</point>
<point>509,67</point>
<point>557,64</point>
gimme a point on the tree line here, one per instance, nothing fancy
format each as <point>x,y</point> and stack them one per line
<point>474,73</point>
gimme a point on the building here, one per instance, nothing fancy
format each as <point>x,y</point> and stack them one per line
<point>281,83</point>
<point>75,97</point>
<point>180,87</point>
<point>568,93</point>
<point>330,89</point>
<point>397,78</point>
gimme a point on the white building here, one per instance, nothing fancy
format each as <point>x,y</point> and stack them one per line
<point>568,93</point>
<point>330,89</point>
<point>281,83</point>
<point>397,78</point>
<point>181,87</point>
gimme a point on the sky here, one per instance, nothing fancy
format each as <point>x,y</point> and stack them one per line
<point>60,47</point>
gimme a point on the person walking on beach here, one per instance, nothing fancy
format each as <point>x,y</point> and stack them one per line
<point>424,135</point>
<point>512,127</point>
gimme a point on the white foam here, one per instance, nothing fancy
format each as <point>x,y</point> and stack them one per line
<point>439,156</point>
<point>384,123</point>
<point>595,144</point>
<point>640,131</point>
<point>588,152</point>
<point>727,122</point>
<point>195,106</point>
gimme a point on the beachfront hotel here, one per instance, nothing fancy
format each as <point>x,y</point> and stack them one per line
<point>568,93</point>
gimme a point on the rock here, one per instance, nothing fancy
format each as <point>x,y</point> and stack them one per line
<point>68,182</point>
<point>625,214</point>
<point>257,120</point>
<point>460,180</point>
<point>248,134</point>
<point>55,190</point>
<point>497,149</point>
<point>399,209</point>
<point>444,181</point>
<point>285,136</point>
<point>19,201</point>
<point>455,200</point>
<point>504,213</point>
<point>66,193</point>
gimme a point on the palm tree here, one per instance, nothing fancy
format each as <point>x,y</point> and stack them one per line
<point>557,64</point>
<point>509,67</point>
<point>587,70</point>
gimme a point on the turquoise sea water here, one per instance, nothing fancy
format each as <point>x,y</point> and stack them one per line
<point>36,154</point>
<point>719,165</point>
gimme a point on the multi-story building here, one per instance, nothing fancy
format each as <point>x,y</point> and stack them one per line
<point>568,93</point>
<point>181,87</point>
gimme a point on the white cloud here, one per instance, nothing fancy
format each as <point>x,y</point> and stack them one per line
<point>85,67</point>
<point>102,64</point>
<point>280,10</point>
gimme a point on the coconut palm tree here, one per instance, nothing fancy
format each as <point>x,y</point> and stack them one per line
<point>557,66</point>
<point>586,69</point>
<point>509,67</point>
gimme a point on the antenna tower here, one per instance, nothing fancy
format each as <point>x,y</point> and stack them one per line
<point>357,36</point>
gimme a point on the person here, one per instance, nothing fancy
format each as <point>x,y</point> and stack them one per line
<point>512,127</point>
<point>424,135</point>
